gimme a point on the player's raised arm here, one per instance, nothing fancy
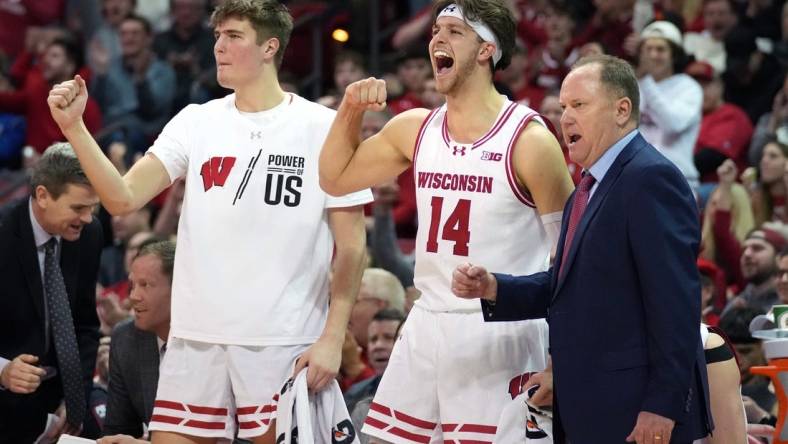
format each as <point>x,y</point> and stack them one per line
<point>346,163</point>
<point>119,195</point>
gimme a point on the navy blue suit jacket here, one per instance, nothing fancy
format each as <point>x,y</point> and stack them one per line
<point>625,315</point>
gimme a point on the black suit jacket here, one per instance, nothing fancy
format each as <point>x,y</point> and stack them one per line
<point>22,315</point>
<point>133,378</point>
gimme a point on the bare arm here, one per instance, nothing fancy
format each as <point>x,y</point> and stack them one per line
<point>119,194</point>
<point>726,402</point>
<point>346,163</point>
<point>347,226</point>
<point>324,357</point>
<point>541,170</point>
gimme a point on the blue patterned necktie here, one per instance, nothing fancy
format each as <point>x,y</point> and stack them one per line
<point>64,337</point>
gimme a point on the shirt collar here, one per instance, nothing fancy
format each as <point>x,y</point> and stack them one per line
<point>603,164</point>
<point>39,234</point>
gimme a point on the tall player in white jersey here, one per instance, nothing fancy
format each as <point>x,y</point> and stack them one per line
<point>250,285</point>
<point>486,172</point>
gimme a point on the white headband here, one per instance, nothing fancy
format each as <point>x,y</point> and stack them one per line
<point>480,28</point>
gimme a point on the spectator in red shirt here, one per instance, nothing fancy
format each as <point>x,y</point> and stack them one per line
<point>17,15</point>
<point>558,53</point>
<point>413,69</point>
<point>60,62</point>
<point>517,77</point>
<point>725,129</point>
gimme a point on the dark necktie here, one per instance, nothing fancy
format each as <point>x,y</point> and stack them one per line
<point>63,336</point>
<point>578,208</point>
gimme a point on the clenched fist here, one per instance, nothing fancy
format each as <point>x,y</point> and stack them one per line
<point>472,281</point>
<point>367,94</point>
<point>67,102</point>
<point>22,375</point>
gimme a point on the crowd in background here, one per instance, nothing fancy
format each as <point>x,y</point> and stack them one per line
<point>714,93</point>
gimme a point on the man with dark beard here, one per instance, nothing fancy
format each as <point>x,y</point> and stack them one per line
<point>759,270</point>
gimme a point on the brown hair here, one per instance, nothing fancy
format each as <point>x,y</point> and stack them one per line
<point>618,77</point>
<point>269,18</point>
<point>164,250</point>
<point>493,13</point>
<point>57,168</point>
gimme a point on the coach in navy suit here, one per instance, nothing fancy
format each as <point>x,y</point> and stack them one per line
<point>623,296</point>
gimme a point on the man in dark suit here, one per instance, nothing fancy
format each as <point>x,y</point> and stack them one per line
<point>136,347</point>
<point>49,257</point>
<point>623,297</point>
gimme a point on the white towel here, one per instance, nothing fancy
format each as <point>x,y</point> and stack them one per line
<point>522,422</point>
<point>305,418</point>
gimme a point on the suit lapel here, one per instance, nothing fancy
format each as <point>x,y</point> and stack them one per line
<point>595,203</point>
<point>28,256</point>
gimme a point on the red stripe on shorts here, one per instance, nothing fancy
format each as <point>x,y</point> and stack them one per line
<point>478,428</point>
<point>380,408</point>
<point>249,425</point>
<point>414,421</point>
<point>166,419</point>
<point>409,436</point>
<point>204,424</point>
<point>169,405</point>
<point>375,423</point>
<point>473,441</point>
<point>216,411</point>
<point>247,410</point>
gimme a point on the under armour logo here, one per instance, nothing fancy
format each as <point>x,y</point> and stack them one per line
<point>255,135</point>
<point>459,149</point>
<point>450,8</point>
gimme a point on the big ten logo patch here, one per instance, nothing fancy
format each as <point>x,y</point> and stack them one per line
<point>494,157</point>
<point>516,384</point>
<point>284,179</point>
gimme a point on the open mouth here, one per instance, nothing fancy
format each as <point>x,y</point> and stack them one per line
<point>443,62</point>
<point>573,138</point>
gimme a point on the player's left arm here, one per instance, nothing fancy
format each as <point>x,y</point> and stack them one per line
<point>324,356</point>
<point>542,172</point>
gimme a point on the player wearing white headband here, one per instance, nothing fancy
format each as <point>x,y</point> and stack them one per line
<point>490,186</point>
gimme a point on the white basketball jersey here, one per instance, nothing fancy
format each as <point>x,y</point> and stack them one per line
<point>254,246</point>
<point>471,208</point>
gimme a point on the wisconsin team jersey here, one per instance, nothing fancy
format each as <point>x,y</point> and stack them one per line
<point>254,246</point>
<point>471,209</point>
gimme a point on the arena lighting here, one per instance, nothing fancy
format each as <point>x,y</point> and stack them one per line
<point>340,35</point>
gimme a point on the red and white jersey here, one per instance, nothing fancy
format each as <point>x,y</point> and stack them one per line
<point>254,245</point>
<point>471,208</point>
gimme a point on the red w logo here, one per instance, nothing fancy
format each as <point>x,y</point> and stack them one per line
<point>215,171</point>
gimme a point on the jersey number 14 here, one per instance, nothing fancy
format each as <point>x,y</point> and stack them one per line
<point>455,229</point>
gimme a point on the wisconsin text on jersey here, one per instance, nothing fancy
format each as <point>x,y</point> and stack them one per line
<point>455,182</point>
